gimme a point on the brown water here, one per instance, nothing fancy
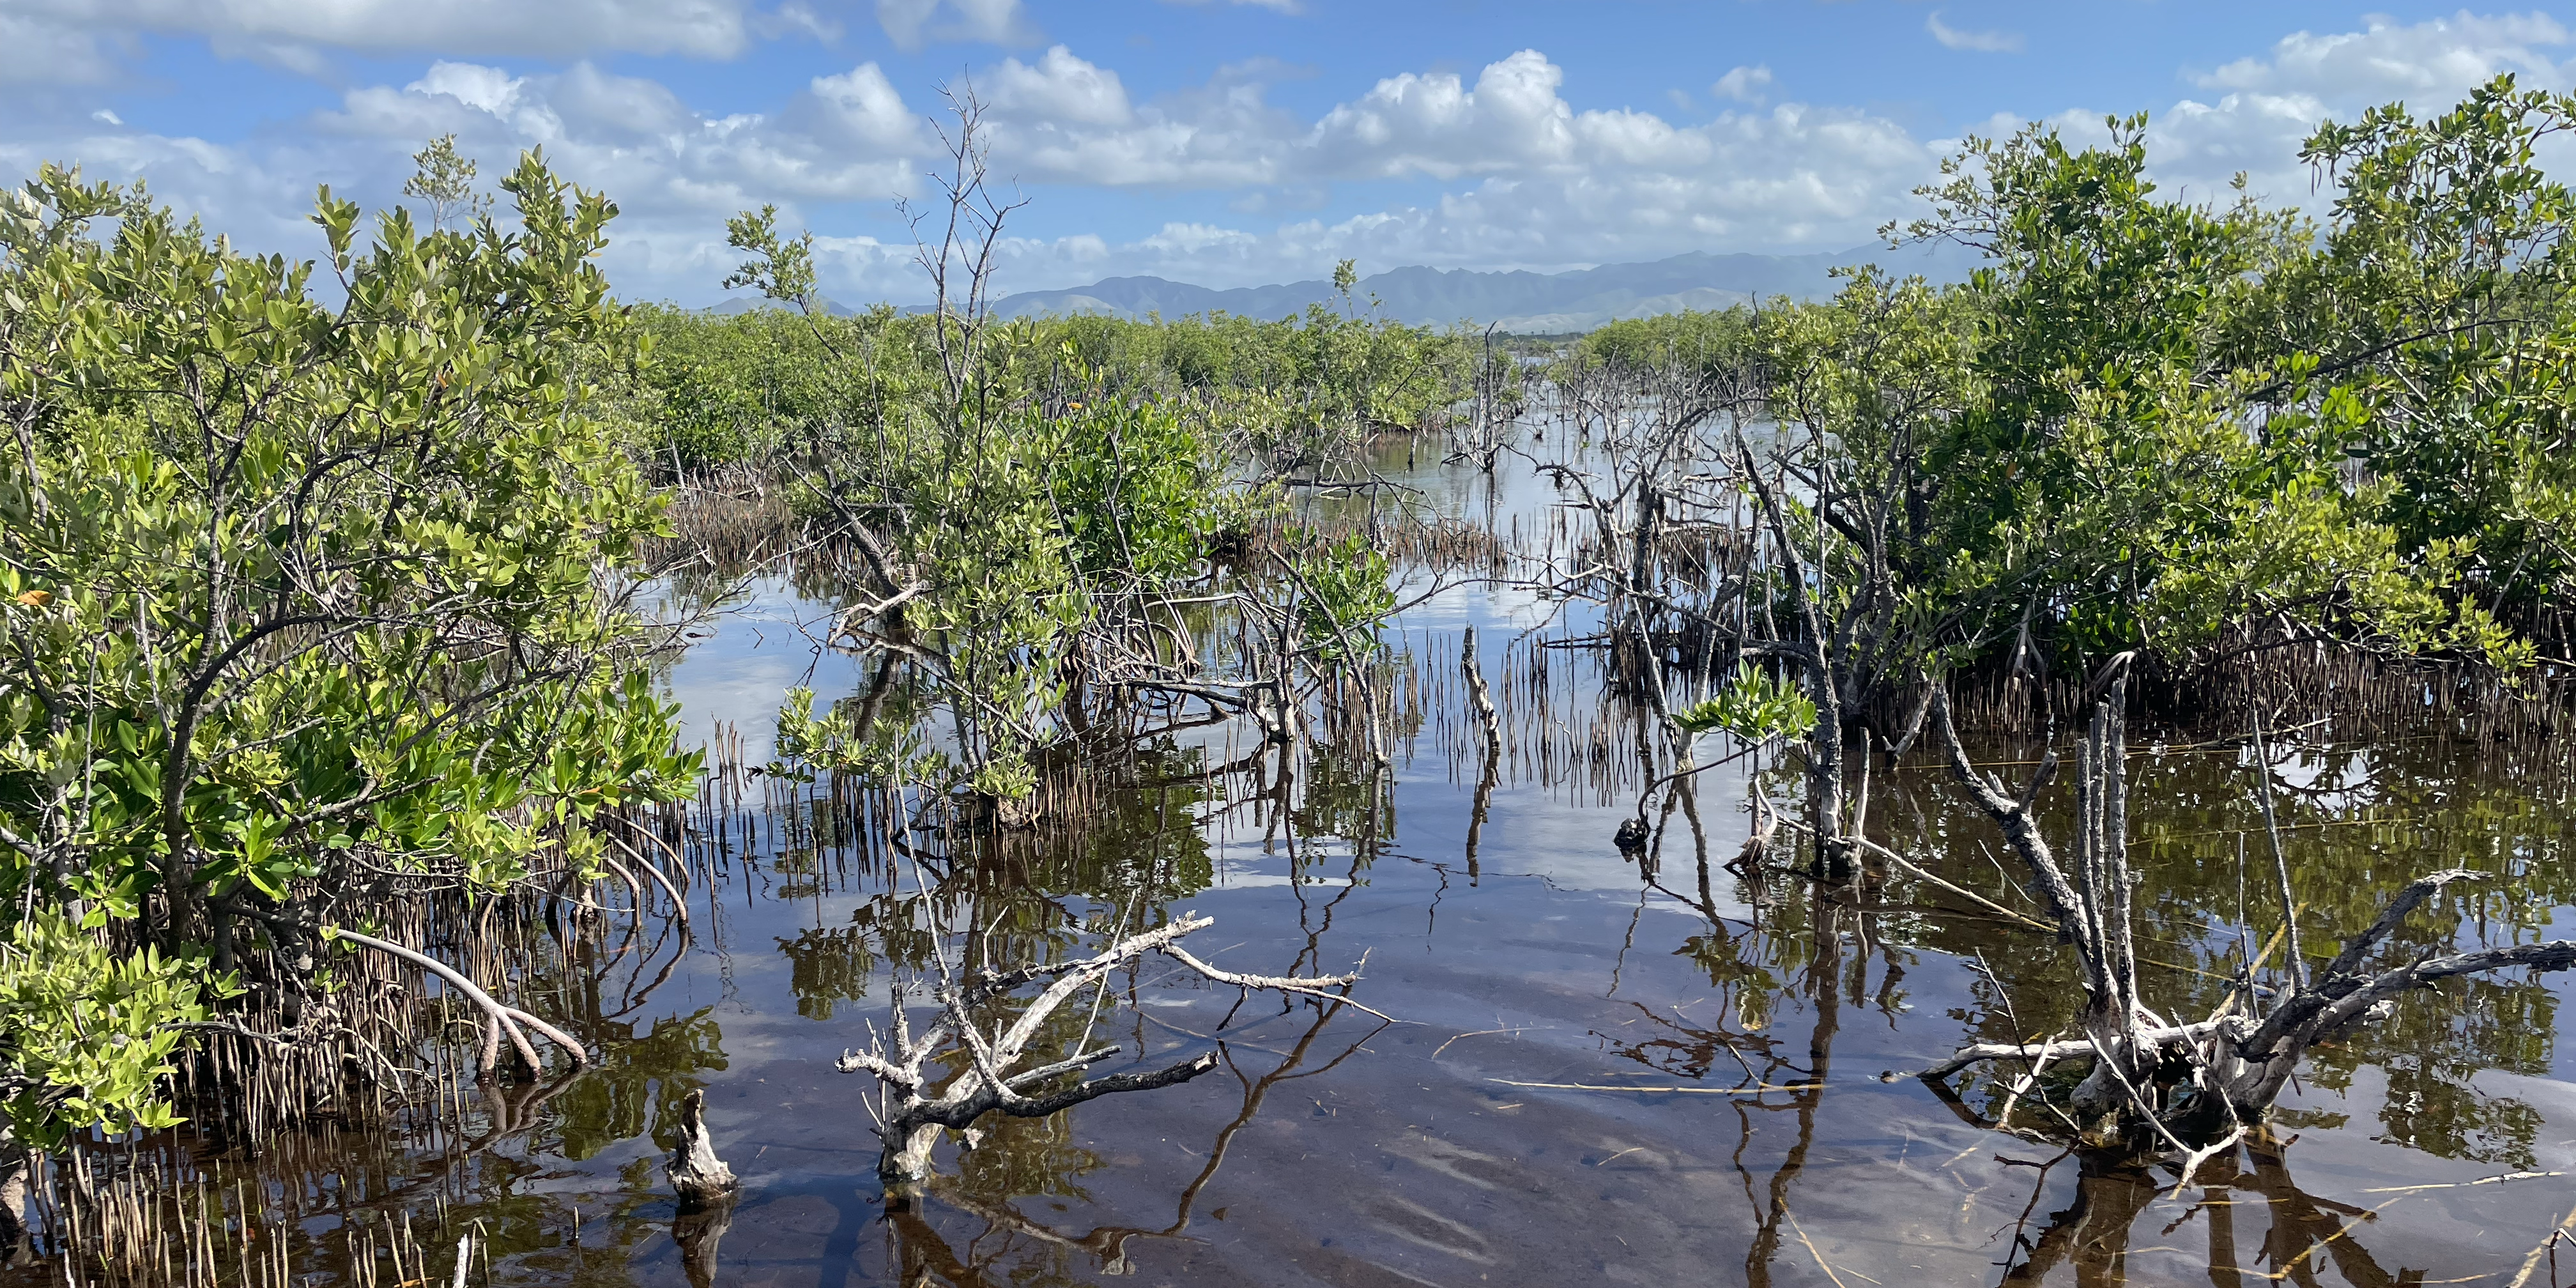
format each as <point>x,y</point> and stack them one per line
<point>1602,1071</point>
<point>1595,1079</point>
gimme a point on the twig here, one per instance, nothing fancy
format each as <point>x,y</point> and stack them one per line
<point>1811,1246</point>
<point>1435,1051</point>
<point>2193,1159</point>
<point>2280,856</point>
<point>1275,983</point>
<point>1665,1091</point>
<point>2461,1185</point>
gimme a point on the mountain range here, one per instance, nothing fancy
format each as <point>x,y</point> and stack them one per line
<point>1516,302</point>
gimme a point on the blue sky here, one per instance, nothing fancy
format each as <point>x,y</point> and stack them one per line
<point>1228,142</point>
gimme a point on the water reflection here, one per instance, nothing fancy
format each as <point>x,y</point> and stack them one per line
<point>1649,1070</point>
<point>1007,1246</point>
<point>1626,1070</point>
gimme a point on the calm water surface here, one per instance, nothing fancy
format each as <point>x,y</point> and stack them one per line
<point>1599,1074</point>
<point>1602,1071</point>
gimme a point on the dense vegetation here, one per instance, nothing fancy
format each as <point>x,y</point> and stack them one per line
<point>307,608</point>
<point>776,389</point>
<point>2202,433</point>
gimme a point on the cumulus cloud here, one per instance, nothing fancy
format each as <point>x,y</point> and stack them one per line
<point>796,17</point>
<point>1983,42</point>
<point>1066,120</point>
<point>1528,180</point>
<point>1489,168</point>
<point>1744,84</point>
<point>2265,107</point>
<point>842,137</point>
<point>2443,57</point>
<point>675,172</point>
<point>914,23</point>
<point>84,36</point>
<point>1532,180</point>
<point>1059,88</point>
<point>37,50</point>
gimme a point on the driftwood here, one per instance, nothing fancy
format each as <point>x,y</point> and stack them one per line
<point>911,1112</point>
<point>2210,1080</point>
<point>702,1179</point>
<point>1477,694</point>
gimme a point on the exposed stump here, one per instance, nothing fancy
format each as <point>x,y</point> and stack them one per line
<point>1631,837</point>
<point>702,1179</point>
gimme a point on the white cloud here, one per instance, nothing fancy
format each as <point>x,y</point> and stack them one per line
<point>2443,57</point>
<point>1544,184</point>
<point>36,50</point>
<point>1060,88</point>
<point>795,17</point>
<point>675,173</point>
<point>1433,124</point>
<point>857,107</point>
<point>842,138</point>
<point>1065,120</point>
<point>1529,180</point>
<point>1494,168</point>
<point>914,23</point>
<point>1744,84</point>
<point>485,89</point>
<point>297,33</point>
<point>1984,42</point>
<point>2270,105</point>
<point>103,114</point>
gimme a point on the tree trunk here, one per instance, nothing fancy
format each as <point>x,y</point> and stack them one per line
<point>16,1161</point>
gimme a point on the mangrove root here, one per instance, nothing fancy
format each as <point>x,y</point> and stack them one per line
<point>501,1021</point>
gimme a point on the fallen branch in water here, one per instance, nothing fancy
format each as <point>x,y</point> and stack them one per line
<point>2058,1050</point>
<point>2188,1084</point>
<point>1919,873</point>
<point>1666,1090</point>
<point>911,1113</point>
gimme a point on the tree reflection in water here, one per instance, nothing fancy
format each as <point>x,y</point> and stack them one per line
<point>1012,1247</point>
<point>2092,1233</point>
<point>1814,953</point>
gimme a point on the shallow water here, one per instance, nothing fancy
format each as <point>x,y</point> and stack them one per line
<point>1592,1078</point>
<point>1600,1072</point>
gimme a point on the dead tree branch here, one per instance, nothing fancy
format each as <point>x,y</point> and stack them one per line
<point>2208,1081</point>
<point>911,1112</point>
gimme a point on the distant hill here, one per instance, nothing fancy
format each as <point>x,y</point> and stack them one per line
<point>751,304</point>
<point>1521,302</point>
